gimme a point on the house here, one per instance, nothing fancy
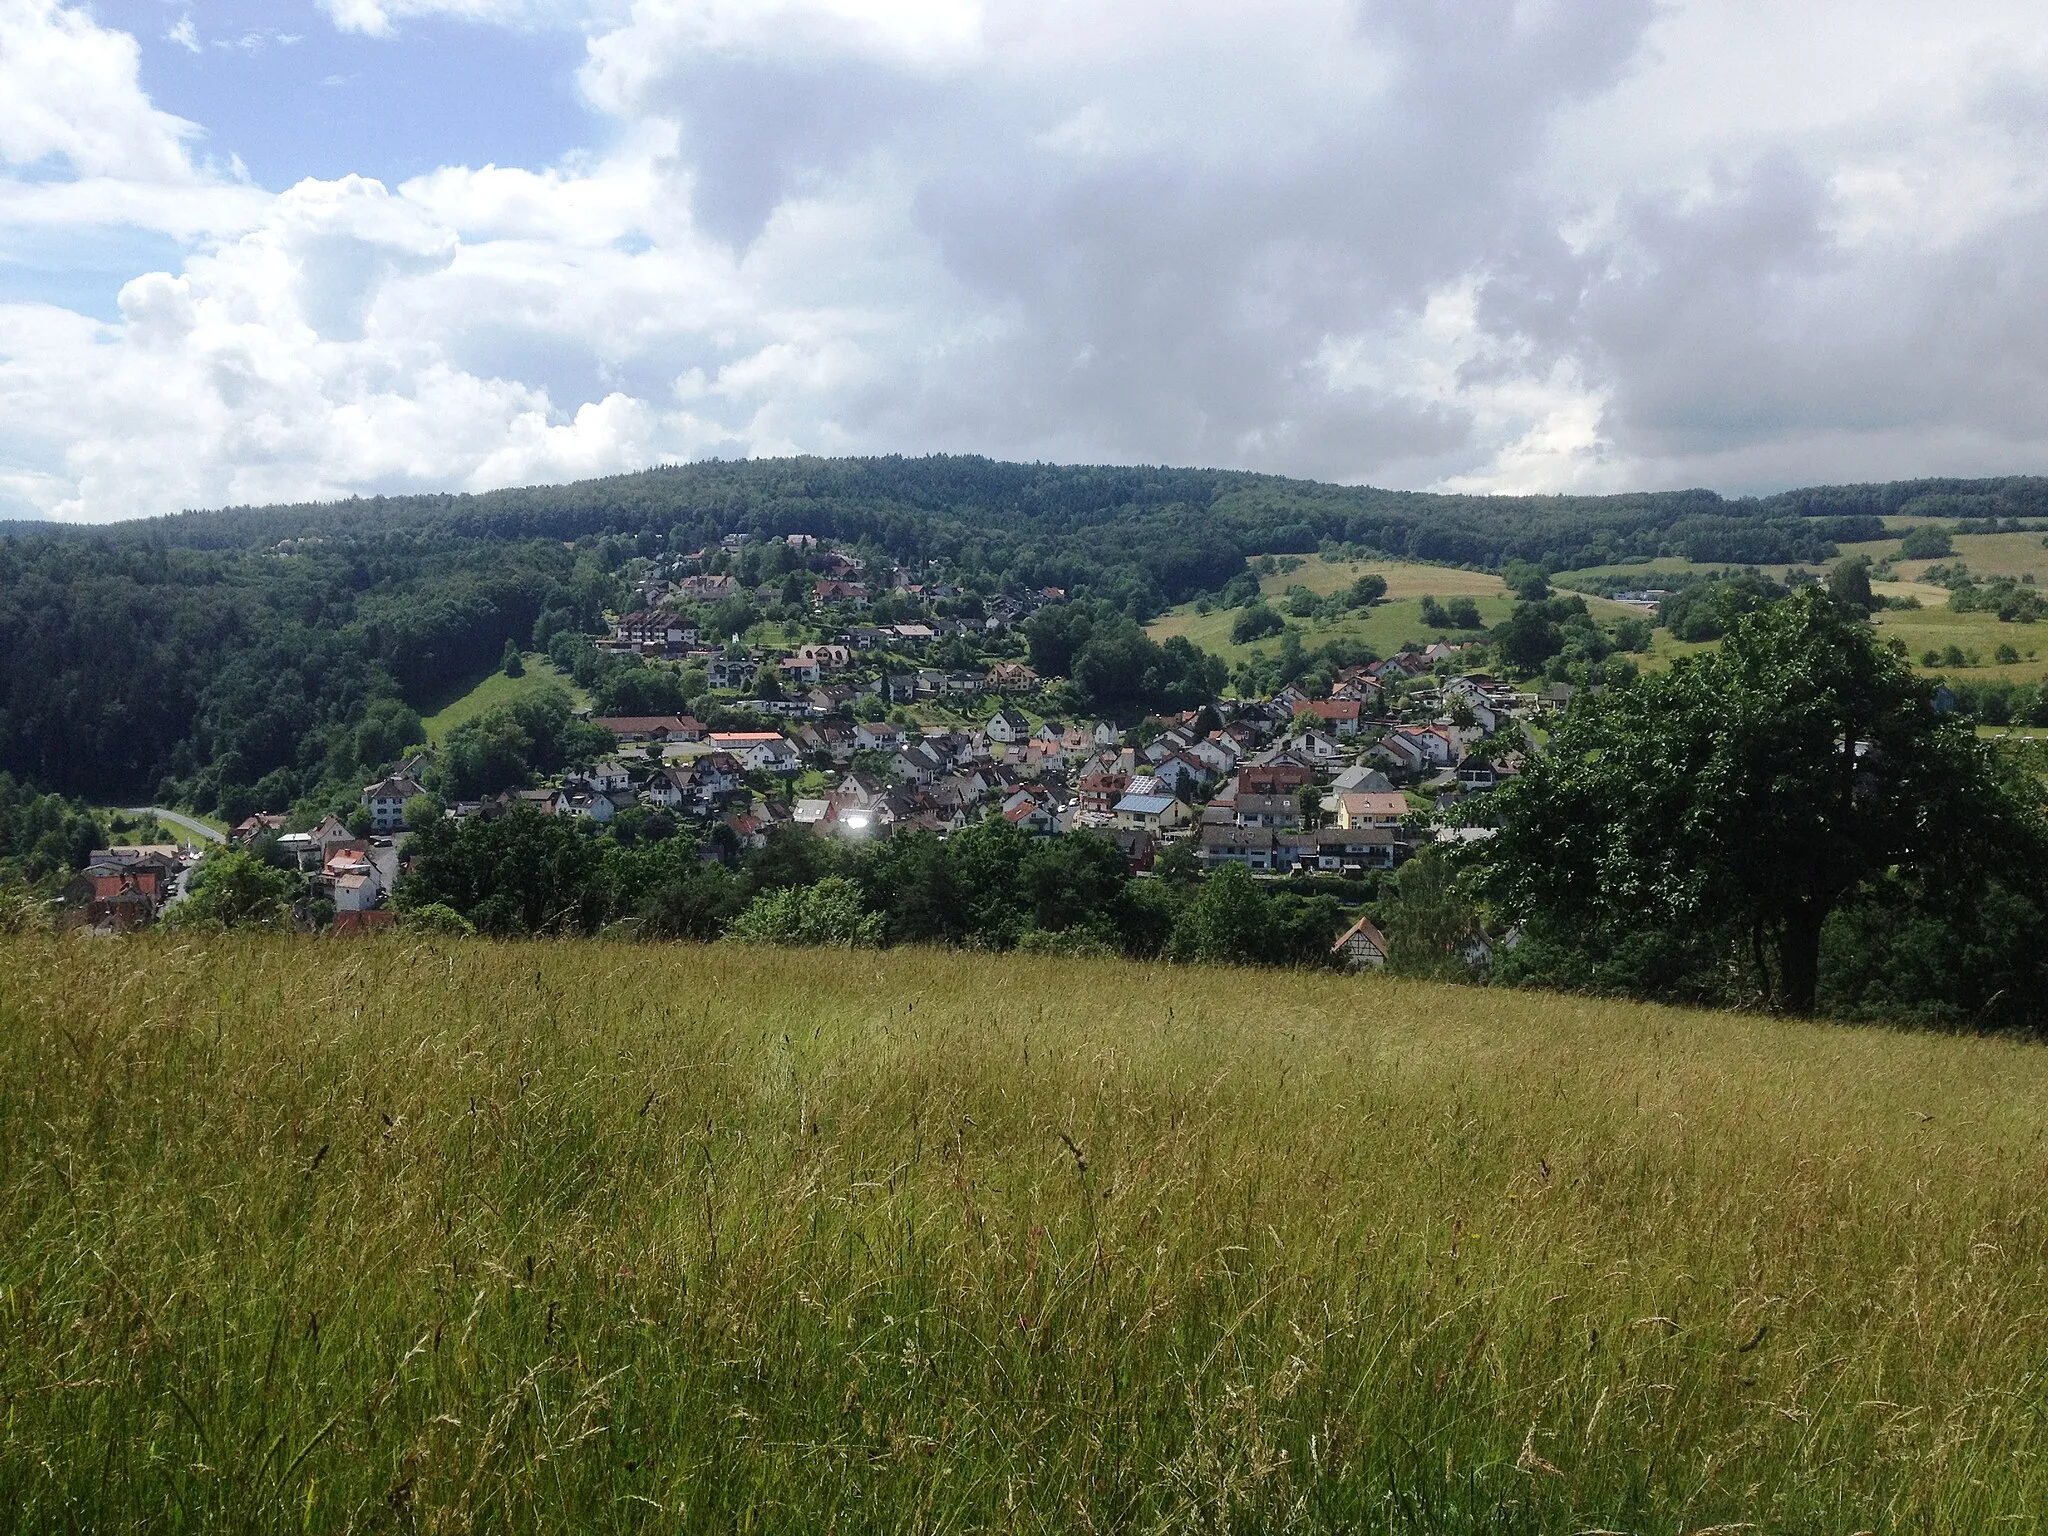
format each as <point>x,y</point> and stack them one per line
<point>654,629</point>
<point>1476,774</point>
<point>1226,844</point>
<point>877,736</point>
<point>1184,769</point>
<point>1340,716</point>
<point>110,895</point>
<point>654,728</point>
<point>1138,846</point>
<point>759,751</point>
<point>673,788</point>
<point>1032,810</point>
<point>609,777</point>
<point>586,803</point>
<point>1354,850</point>
<point>1360,779</point>
<point>1366,808</point>
<point>707,589</point>
<point>1007,727</point>
<point>1361,946</point>
<point>1279,776</point>
<point>831,658</point>
<point>1011,677</point>
<point>920,762</point>
<point>1266,810</point>
<point>1439,743</point>
<point>798,671</point>
<point>826,592</point>
<point>730,671</point>
<point>386,802</point>
<point>1401,753</point>
<point>249,828</point>
<point>355,892</point>
<point>1317,747</point>
<point>1152,813</point>
<point>1100,790</point>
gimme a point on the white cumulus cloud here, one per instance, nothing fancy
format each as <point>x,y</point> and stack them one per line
<point>1477,244</point>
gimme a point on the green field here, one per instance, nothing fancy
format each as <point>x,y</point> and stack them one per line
<point>1386,626</point>
<point>1990,554</point>
<point>445,1236</point>
<point>498,689</point>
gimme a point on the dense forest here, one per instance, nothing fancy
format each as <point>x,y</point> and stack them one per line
<point>275,648</point>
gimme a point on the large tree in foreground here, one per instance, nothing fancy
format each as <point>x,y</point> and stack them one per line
<point>1691,834</point>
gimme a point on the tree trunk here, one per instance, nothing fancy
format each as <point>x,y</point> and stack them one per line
<point>1799,956</point>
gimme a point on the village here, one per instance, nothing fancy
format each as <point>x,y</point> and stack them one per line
<point>872,729</point>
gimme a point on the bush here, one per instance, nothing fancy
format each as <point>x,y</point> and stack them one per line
<point>1366,591</point>
<point>829,913</point>
<point>439,917</point>
<point>1926,543</point>
<point>235,889</point>
<point>1256,623</point>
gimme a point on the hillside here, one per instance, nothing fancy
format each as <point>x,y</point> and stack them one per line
<point>239,651</point>
<point>567,1236</point>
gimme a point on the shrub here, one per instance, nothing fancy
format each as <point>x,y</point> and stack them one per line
<point>1255,623</point>
<point>439,917</point>
<point>1926,543</point>
<point>828,913</point>
<point>236,889</point>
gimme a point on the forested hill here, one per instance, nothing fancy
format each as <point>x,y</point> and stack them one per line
<point>1026,517</point>
<point>284,645</point>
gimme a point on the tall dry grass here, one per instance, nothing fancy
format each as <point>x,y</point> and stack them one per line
<point>454,1236</point>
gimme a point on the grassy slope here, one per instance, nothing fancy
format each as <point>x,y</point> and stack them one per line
<point>499,689</point>
<point>462,1236</point>
<point>1385,627</point>
<point>1931,627</point>
<point>1388,625</point>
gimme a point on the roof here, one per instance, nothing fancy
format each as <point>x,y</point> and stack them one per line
<point>1363,929</point>
<point>744,738</point>
<point>393,788</point>
<point>1366,802</point>
<point>643,725</point>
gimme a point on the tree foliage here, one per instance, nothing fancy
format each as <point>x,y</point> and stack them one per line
<point>1693,834</point>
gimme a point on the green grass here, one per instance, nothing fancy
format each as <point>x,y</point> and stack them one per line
<point>1935,627</point>
<point>1386,626</point>
<point>447,1236</point>
<point>1991,554</point>
<point>498,689</point>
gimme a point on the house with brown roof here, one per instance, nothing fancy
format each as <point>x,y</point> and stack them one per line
<point>1361,946</point>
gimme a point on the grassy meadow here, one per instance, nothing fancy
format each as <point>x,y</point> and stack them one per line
<point>1387,625</point>
<point>497,689</point>
<point>448,1236</point>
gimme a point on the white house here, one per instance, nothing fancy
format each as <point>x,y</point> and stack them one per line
<point>1007,727</point>
<point>1362,946</point>
<point>386,801</point>
<point>1152,813</point>
<point>585,803</point>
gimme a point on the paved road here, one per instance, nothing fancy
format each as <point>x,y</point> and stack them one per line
<point>198,828</point>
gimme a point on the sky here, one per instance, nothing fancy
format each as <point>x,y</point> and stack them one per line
<point>266,250</point>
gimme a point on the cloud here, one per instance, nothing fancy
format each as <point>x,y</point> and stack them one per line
<point>69,91</point>
<point>1475,244</point>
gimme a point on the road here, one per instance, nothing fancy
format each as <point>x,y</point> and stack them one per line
<point>198,828</point>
